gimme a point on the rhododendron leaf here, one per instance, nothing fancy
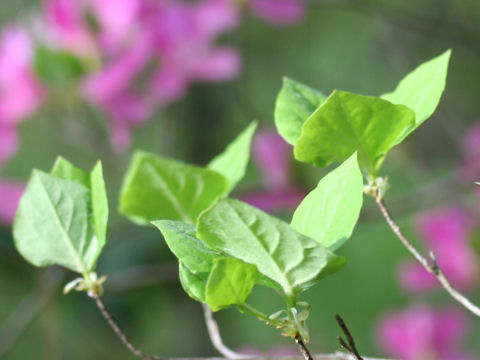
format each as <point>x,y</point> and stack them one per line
<point>64,169</point>
<point>232,162</point>
<point>158,188</point>
<point>295,103</point>
<point>330,211</point>
<point>291,259</point>
<point>193,284</point>
<point>57,68</point>
<point>182,241</point>
<point>422,89</point>
<point>229,283</point>
<point>348,122</point>
<point>54,226</point>
<point>99,202</point>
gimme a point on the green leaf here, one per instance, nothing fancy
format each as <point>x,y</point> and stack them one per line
<point>232,162</point>
<point>287,257</point>
<point>157,188</point>
<point>182,241</point>
<point>193,284</point>
<point>229,283</point>
<point>57,68</point>
<point>348,122</point>
<point>422,89</point>
<point>99,203</point>
<point>330,211</point>
<point>52,225</point>
<point>295,103</point>
<point>63,169</point>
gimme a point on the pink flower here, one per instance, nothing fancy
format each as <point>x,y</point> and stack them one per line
<point>469,170</point>
<point>422,333</point>
<point>66,27</point>
<point>20,92</point>
<point>272,155</point>
<point>446,232</point>
<point>279,12</point>
<point>10,193</point>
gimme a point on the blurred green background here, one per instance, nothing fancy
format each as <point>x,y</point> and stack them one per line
<point>360,46</point>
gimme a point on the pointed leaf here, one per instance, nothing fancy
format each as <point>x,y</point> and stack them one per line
<point>99,203</point>
<point>182,241</point>
<point>229,283</point>
<point>232,162</point>
<point>52,225</point>
<point>282,254</point>
<point>348,122</point>
<point>422,89</point>
<point>193,284</point>
<point>157,188</point>
<point>64,169</point>
<point>295,103</point>
<point>329,212</point>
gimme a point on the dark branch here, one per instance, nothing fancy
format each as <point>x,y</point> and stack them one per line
<point>432,267</point>
<point>113,324</point>
<point>303,349</point>
<point>350,347</point>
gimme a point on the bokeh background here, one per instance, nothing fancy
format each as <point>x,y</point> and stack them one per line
<point>363,46</point>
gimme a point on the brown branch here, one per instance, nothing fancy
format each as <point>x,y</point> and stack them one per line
<point>348,345</point>
<point>113,324</point>
<point>432,267</point>
<point>303,349</point>
<point>216,339</point>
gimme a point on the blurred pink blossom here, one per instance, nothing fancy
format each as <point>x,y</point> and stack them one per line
<point>469,169</point>
<point>422,333</point>
<point>446,232</point>
<point>20,91</point>
<point>272,155</point>
<point>10,193</point>
<point>279,12</point>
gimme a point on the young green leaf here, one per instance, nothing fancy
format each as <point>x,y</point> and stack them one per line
<point>291,259</point>
<point>99,203</point>
<point>348,122</point>
<point>182,241</point>
<point>295,103</point>
<point>157,188</point>
<point>330,211</point>
<point>193,284</point>
<point>64,169</point>
<point>422,89</point>
<point>52,225</point>
<point>229,283</point>
<point>232,162</point>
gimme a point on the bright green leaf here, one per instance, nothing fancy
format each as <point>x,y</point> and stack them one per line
<point>229,283</point>
<point>329,212</point>
<point>193,284</point>
<point>52,225</point>
<point>157,188</point>
<point>99,203</point>
<point>64,169</point>
<point>422,89</point>
<point>287,257</point>
<point>348,122</point>
<point>232,163</point>
<point>295,103</point>
<point>182,241</point>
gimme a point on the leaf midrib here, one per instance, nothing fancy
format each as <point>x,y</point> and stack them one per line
<point>66,237</point>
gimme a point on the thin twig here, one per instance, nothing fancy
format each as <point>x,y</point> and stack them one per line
<point>303,349</point>
<point>350,347</point>
<point>113,324</point>
<point>432,267</point>
<point>216,339</point>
